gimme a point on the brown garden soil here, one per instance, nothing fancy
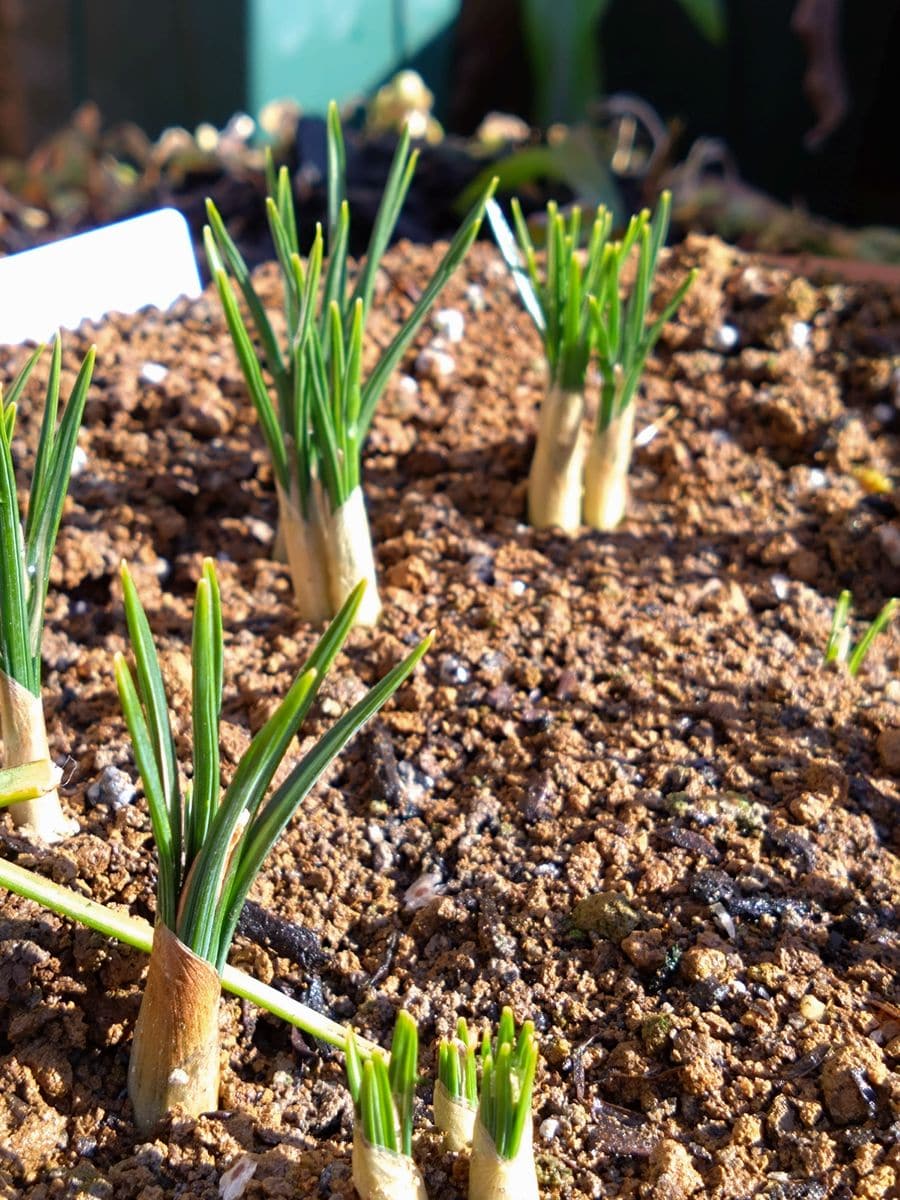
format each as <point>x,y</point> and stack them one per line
<point>622,794</point>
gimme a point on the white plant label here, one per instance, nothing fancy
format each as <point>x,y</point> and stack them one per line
<point>120,268</point>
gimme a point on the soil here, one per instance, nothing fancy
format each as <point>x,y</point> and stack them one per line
<point>622,794</point>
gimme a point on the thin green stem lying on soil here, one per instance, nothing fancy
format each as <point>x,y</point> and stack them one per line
<point>26,550</point>
<point>132,931</point>
<point>29,781</point>
<point>316,422</point>
<point>211,849</point>
<point>838,650</point>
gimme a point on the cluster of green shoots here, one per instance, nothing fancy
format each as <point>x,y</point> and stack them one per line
<point>482,1106</point>
<point>839,651</point>
<point>383,1093</point>
<point>26,550</point>
<point>576,305</point>
<point>210,846</point>
<point>316,414</point>
<point>508,1065</point>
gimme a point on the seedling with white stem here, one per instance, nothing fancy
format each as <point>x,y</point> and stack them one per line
<point>839,651</point>
<point>560,302</point>
<point>383,1099</point>
<point>26,549</point>
<point>316,416</point>
<point>456,1089</point>
<point>502,1164</point>
<point>625,337</point>
<point>211,848</point>
<point>576,307</point>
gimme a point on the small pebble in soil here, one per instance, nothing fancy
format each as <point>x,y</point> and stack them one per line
<point>799,335</point>
<point>475,297</point>
<point>811,1008</point>
<point>726,338</point>
<point>452,671</point>
<point>607,914</point>
<point>407,385</point>
<point>884,413</point>
<point>153,372</point>
<point>435,364</point>
<point>234,1181</point>
<point>423,891</point>
<point>450,323</point>
<point>549,1129</point>
<point>780,586</point>
<point>517,587</point>
<point>79,462</point>
<point>114,789</point>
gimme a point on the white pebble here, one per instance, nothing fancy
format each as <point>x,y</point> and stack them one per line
<point>407,385</point>
<point>153,372</point>
<point>726,337</point>
<point>800,335</point>
<point>549,1129</point>
<point>178,1077</point>
<point>817,477</point>
<point>79,461</point>
<point>475,297</point>
<point>423,891</point>
<point>114,788</point>
<point>780,586</point>
<point>450,323</point>
<point>517,587</point>
<point>723,919</point>
<point>234,1181</point>
<point>435,364</point>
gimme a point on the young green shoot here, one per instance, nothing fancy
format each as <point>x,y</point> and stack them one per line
<point>502,1165</point>
<point>560,301</point>
<point>456,1090</point>
<point>839,651</point>
<point>625,335</point>
<point>26,550</point>
<point>316,412</point>
<point>211,847</point>
<point>383,1097</point>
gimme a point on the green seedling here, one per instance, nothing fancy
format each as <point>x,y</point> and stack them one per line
<point>26,550</point>
<point>839,651</point>
<point>560,299</point>
<point>576,306</point>
<point>318,409</point>
<point>502,1165</point>
<point>625,336</point>
<point>210,846</point>
<point>383,1099</point>
<point>456,1090</point>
